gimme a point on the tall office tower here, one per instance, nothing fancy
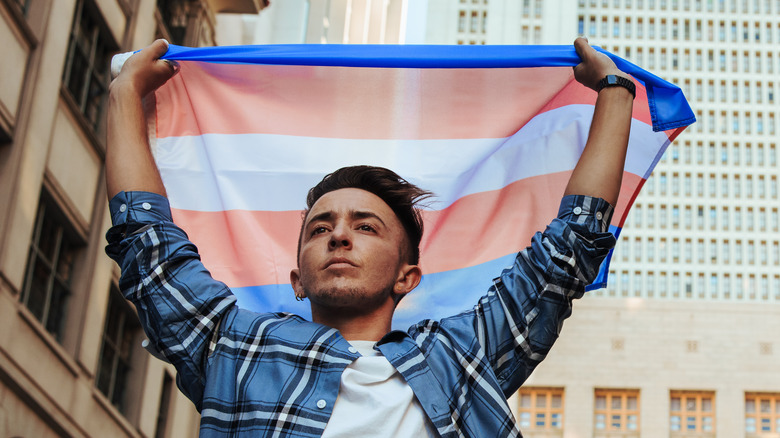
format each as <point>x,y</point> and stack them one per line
<point>684,340</point>
<point>705,228</point>
<point>706,224</point>
<point>500,22</point>
<point>318,22</point>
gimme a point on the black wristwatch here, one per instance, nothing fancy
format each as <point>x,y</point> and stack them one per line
<point>617,81</point>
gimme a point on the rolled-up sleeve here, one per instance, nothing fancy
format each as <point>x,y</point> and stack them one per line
<point>178,302</point>
<point>521,317</point>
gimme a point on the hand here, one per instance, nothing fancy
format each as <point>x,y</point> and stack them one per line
<point>145,72</point>
<point>594,65</point>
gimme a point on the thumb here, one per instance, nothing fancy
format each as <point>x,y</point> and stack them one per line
<point>583,49</point>
<point>154,52</point>
<point>157,49</point>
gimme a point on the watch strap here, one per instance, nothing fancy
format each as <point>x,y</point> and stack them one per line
<point>617,81</point>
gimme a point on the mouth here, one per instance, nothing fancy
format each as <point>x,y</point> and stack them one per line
<point>339,262</point>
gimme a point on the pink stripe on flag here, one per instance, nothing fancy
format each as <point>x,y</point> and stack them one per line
<point>264,252</point>
<point>355,103</point>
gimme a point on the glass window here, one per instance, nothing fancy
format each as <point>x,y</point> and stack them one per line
<point>616,410</point>
<point>540,409</point>
<point>50,267</point>
<point>692,412</point>
<point>163,412</point>
<point>86,73</point>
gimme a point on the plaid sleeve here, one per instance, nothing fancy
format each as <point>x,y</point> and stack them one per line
<point>520,318</point>
<point>178,302</point>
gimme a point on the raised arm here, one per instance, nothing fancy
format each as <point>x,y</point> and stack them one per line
<point>129,162</point>
<point>599,171</point>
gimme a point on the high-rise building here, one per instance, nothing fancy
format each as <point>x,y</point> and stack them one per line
<point>71,362</point>
<point>500,22</point>
<point>685,340</point>
<point>319,22</point>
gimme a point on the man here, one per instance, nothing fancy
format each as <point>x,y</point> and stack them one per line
<point>346,373</point>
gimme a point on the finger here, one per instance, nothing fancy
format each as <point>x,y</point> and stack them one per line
<point>173,65</point>
<point>157,49</point>
<point>582,48</point>
<point>153,52</point>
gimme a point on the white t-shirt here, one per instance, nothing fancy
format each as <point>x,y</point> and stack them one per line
<point>375,401</point>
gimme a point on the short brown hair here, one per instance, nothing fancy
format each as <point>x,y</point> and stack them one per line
<point>399,194</point>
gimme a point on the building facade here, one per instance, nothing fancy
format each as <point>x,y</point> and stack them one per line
<point>319,22</point>
<point>71,362</point>
<point>683,342</point>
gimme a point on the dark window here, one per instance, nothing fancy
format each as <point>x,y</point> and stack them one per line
<point>4,137</point>
<point>119,334</point>
<point>53,251</point>
<point>23,5</point>
<point>174,14</point>
<point>164,408</point>
<point>86,74</point>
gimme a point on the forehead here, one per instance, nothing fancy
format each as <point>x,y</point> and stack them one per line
<point>350,200</point>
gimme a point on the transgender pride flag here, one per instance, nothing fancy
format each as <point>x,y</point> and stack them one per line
<point>242,133</point>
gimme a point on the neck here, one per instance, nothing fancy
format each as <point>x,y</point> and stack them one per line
<point>357,326</point>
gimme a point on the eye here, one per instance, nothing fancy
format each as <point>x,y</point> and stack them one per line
<point>367,228</point>
<point>318,230</point>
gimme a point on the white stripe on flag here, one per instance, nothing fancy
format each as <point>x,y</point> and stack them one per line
<point>261,172</point>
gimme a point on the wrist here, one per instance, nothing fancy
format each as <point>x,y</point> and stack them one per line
<point>616,80</point>
<point>121,89</point>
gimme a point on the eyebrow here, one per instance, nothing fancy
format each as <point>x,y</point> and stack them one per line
<point>353,214</point>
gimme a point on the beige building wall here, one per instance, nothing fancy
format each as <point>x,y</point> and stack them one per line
<point>57,288</point>
<point>657,347</point>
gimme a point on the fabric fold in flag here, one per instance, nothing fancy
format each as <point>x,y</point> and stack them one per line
<point>242,133</point>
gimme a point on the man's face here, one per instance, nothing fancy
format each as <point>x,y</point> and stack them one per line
<point>351,252</point>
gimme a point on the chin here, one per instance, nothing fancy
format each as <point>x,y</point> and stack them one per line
<point>345,297</point>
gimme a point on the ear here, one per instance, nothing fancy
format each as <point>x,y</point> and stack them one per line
<point>409,277</point>
<point>295,281</point>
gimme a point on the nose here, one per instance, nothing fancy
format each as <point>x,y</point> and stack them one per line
<point>340,238</point>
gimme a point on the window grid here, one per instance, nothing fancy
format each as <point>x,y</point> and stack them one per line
<point>473,22</point>
<point>119,333</point>
<point>616,410</point>
<point>541,408</point>
<point>762,413</point>
<point>86,73</point>
<point>691,412</point>
<point>50,268</point>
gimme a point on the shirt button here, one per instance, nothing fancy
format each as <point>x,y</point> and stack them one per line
<point>123,208</point>
<point>146,206</point>
<point>352,349</point>
<point>321,404</point>
<point>577,210</point>
<point>599,215</point>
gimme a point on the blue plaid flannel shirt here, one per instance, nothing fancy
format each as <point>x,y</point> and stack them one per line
<point>277,374</point>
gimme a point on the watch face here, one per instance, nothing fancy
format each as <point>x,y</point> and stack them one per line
<point>612,79</point>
